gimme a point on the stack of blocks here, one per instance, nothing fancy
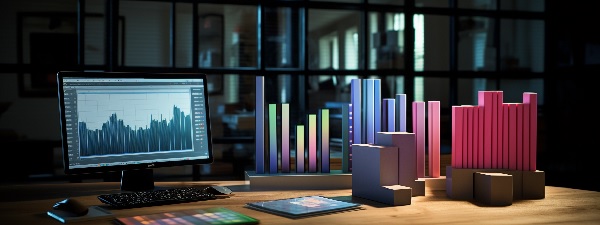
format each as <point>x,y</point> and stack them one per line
<point>387,171</point>
<point>494,150</point>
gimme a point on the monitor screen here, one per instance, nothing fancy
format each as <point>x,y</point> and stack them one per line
<point>126,121</point>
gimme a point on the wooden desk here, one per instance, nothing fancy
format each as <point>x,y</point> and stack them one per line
<point>27,204</point>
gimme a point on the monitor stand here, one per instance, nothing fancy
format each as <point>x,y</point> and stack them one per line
<point>137,180</point>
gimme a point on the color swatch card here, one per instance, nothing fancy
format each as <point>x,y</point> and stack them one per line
<point>214,216</point>
<point>302,206</point>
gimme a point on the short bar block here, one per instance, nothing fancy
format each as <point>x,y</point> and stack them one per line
<point>273,148</point>
<point>299,148</point>
<point>401,112</point>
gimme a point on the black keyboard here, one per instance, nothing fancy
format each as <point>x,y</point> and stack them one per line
<point>156,197</point>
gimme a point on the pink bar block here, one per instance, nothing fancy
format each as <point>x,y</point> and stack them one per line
<point>531,99</point>
<point>433,113</point>
<point>512,140</point>
<point>505,134</point>
<point>469,135</point>
<point>465,136</point>
<point>312,143</point>
<point>500,116</point>
<point>480,137</point>
<point>486,99</point>
<point>519,136</point>
<point>457,127</point>
<point>419,130</point>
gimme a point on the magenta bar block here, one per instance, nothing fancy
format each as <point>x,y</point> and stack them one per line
<point>505,134</point>
<point>476,136</point>
<point>530,98</point>
<point>512,140</point>
<point>260,125</point>
<point>273,148</point>
<point>526,134</point>
<point>433,113</point>
<point>370,110</point>
<point>457,139</point>
<point>299,148</point>
<point>312,143</point>
<point>401,112</point>
<point>469,124</point>
<point>486,99</point>
<point>498,136</point>
<point>419,130</point>
<point>388,111</point>
<point>519,136</point>
<point>494,136</point>
<point>480,136</point>
<point>285,138</point>
<point>356,99</point>
<point>465,136</point>
<point>323,135</point>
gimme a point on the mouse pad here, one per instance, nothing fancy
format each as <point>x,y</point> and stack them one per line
<point>94,213</point>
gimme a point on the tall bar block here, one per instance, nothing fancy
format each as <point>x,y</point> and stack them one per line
<point>530,99</point>
<point>434,138</point>
<point>485,99</point>
<point>377,106</point>
<point>419,130</point>
<point>312,143</point>
<point>499,126</point>
<point>356,101</point>
<point>457,139</point>
<point>370,110</point>
<point>285,138</point>
<point>260,125</point>
<point>346,136</point>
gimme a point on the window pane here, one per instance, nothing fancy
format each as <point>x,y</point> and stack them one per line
<point>227,35</point>
<point>477,4</point>
<point>346,1</point>
<point>281,31</point>
<point>432,48</point>
<point>513,89</point>
<point>183,36</point>
<point>522,45</point>
<point>523,5</point>
<point>386,48</point>
<point>333,39</point>
<point>387,2</point>
<point>94,32</point>
<point>432,3</point>
<point>476,48</point>
<point>147,33</point>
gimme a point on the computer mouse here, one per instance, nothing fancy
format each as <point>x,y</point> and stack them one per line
<point>218,190</point>
<point>71,206</point>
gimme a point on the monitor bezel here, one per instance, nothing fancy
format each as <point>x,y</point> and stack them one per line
<point>115,168</point>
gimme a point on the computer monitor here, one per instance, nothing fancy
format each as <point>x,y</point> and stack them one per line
<point>133,122</point>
